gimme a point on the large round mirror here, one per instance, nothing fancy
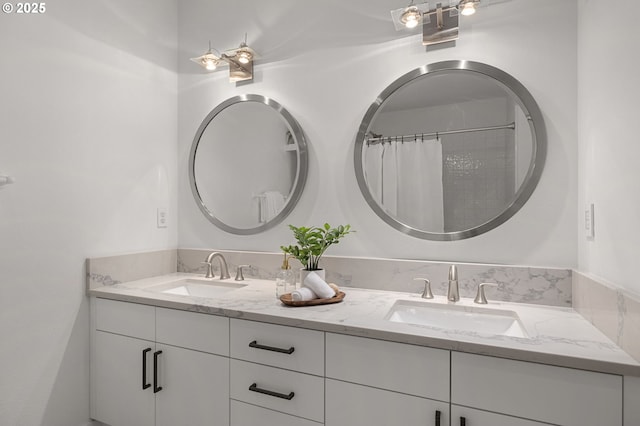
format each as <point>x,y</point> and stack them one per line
<point>450,150</point>
<point>248,164</point>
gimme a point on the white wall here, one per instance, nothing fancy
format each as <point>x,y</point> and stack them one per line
<point>609,148</point>
<point>329,90</point>
<point>88,128</point>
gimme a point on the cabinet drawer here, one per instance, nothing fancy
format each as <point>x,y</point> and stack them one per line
<point>202,332</point>
<point>296,349</point>
<point>128,319</point>
<point>535,391</point>
<point>415,370</point>
<point>483,418</point>
<point>357,405</point>
<point>249,415</point>
<point>308,390</point>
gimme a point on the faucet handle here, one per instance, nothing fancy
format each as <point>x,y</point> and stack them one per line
<point>209,273</point>
<point>426,293</point>
<point>453,273</point>
<point>481,299</point>
<point>239,275</point>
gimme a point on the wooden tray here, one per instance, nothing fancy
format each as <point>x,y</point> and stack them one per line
<point>286,299</point>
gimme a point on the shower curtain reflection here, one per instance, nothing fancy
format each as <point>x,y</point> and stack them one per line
<point>406,181</point>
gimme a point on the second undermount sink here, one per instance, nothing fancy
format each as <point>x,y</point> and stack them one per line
<point>458,317</point>
<point>197,287</point>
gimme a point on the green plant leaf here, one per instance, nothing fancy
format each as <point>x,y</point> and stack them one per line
<point>313,242</point>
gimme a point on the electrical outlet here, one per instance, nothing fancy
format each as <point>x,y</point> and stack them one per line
<point>161,217</point>
<point>589,222</point>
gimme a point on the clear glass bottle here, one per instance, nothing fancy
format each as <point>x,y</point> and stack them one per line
<point>285,279</point>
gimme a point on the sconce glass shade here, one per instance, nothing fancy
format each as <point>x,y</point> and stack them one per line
<point>467,7</point>
<point>208,61</point>
<point>210,64</point>
<point>411,17</point>
<point>244,56</point>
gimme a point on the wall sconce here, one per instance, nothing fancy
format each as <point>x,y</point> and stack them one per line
<point>239,60</point>
<point>440,24</point>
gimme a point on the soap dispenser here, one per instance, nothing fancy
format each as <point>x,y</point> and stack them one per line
<point>285,278</point>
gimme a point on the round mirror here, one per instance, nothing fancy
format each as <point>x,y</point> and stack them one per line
<point>450,150</point>
<point>248,164</point>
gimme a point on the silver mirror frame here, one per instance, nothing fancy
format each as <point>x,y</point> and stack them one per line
<point>539,150</point>
<point>301,172</point>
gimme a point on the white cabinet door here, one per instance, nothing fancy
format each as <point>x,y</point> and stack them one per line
<point>357,405</point>
<point>195,388</point>
<point>119,397</point>
<point>463,416</point>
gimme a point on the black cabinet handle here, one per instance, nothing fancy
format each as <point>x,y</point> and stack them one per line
<point>463,421</point>
<point>256,345</point>
<point>254,388</point>
<point>156,388</point>
<point>438,414</point>
<point>145,385</point>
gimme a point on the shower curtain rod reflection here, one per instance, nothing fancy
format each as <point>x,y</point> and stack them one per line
<point>377,139</point>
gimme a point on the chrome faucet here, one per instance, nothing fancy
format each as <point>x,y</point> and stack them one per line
<point>453,293</point>
<point>224,270</point>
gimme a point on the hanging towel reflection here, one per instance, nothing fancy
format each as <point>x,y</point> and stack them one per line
<point>270,203</point>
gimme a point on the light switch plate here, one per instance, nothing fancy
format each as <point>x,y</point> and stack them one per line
<point>161,217</point>
<point>589,221</point>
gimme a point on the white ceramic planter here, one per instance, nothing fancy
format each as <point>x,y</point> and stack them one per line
<point>305,272</point>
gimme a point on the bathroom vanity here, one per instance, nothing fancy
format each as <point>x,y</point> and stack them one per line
<point>243,358</point>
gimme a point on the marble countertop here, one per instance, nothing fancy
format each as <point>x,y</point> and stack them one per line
<point>556,336</point>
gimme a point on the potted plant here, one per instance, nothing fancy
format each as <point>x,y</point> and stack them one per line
<point>312,243</point>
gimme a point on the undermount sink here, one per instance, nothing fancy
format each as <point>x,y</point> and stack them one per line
<point>457,317</point>
<point>197,287</point>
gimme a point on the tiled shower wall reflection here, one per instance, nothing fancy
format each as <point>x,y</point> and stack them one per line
<point>478,177</point>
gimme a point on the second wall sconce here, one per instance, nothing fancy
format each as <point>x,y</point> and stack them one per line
<point>239,60</point>
<point>440,24</point>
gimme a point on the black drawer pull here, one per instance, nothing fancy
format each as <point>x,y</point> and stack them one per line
<point>256,345</point>
<point>438,414</point>
<point>156,388</point>
<point>463,421</point>
<point>145,385</point>
<point>254,388</point>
